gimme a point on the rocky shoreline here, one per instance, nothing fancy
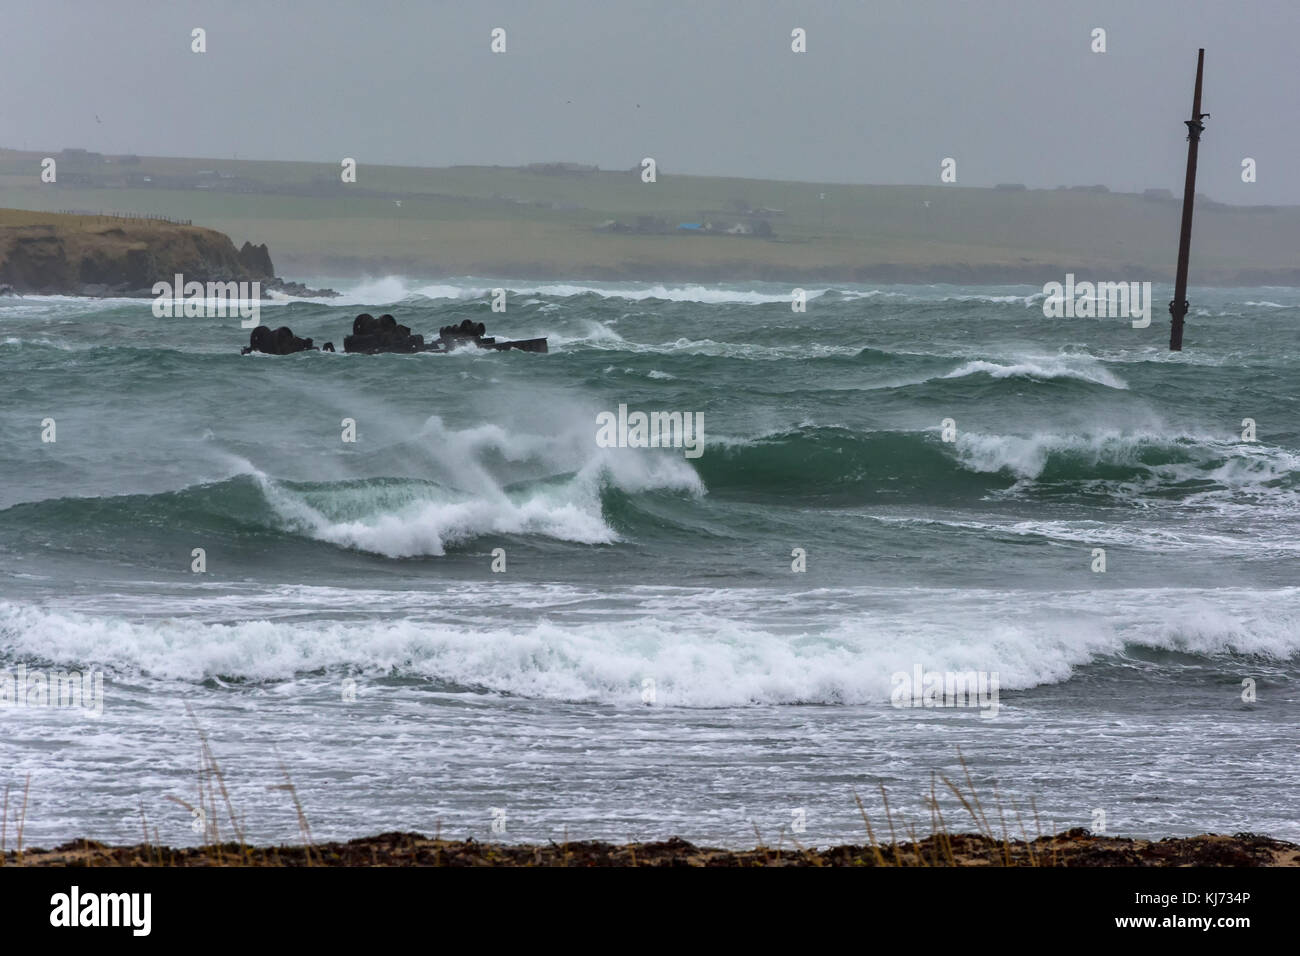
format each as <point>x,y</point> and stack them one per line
<point>1072,848</point>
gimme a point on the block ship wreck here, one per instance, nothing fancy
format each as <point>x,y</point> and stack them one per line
<point>372,335</point>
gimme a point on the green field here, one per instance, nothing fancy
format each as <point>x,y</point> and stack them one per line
<point>515,222</point>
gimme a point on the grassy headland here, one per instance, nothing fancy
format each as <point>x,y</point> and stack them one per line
<point>546,222</point>
<point>93,255</point>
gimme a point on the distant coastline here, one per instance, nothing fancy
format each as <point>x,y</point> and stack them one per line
<point>538,269</point>
<point>577,222</point>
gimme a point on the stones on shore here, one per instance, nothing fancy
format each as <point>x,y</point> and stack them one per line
<point>1073,848</point>
<point>256,259</point>
<point>286,287</point>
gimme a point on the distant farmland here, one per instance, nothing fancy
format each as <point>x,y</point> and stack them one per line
<point>531,223</point>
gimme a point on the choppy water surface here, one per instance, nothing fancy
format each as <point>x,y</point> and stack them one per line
<point>370,562</point>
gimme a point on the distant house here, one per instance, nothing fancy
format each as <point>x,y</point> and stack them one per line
<point>561,169</point>
<point>690,226</point>
<point>80,156</point>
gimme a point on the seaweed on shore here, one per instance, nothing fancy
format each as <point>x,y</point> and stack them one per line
<point>1073,848</point>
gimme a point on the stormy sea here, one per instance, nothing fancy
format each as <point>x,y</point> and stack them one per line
<point>476,619</point>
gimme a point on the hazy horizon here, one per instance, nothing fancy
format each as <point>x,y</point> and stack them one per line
<point>1175,189</point>
<point>1012,90</point>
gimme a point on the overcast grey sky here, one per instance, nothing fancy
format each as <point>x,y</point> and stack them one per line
<point>886,90</point>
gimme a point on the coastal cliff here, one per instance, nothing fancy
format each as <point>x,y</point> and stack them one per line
<point>53,253</point>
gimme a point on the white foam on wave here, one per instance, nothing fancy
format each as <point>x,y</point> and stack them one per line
<point>937,296</point>
<point>394,288</point>
<point>589,332</point>
<point>13,340</point>
<point>739,350</point>
<point>700,647</point>
<point>871,294</point>
<point>652,374</point>
<point>1026,456</point>
<point>387,290</point>
<point>1025,300</point>
<point>1142,537</point>
<point>31,303</point>
<point>415,518</point>
<point>1042,368</point>
<point>1229,474</point>
<point>431,519</point>
<point>374,292</point>
<point>706,294</point>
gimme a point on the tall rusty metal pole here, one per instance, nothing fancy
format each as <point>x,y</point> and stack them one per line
<point>1178,306</point>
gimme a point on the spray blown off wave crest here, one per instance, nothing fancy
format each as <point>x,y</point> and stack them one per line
<point>496,482</point>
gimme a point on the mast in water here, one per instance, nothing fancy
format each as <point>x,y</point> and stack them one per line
<point>1178,305</point>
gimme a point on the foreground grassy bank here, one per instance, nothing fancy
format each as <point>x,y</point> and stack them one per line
<point>1073,848</point>
<point>554,221</point>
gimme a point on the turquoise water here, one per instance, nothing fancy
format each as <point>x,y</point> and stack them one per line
<point>632,570</point>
